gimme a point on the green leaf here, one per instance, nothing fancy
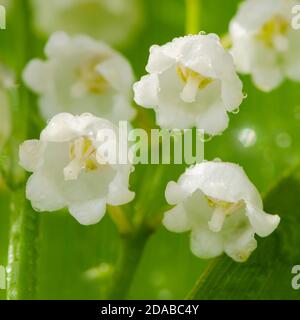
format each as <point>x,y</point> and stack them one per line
<point>267,274</point>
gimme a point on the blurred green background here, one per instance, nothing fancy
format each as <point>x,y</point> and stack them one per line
<point>75,261</point>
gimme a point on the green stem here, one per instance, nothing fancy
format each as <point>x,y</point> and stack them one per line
<point>134,235</point>
<point>132,247</point>
<point>120,219</point>
<point>192,16</point>
<point>24,230</point>
<point>23,249</point>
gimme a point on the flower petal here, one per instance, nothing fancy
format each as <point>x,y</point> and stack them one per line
<point>174,193</point>
<point>169,116</point>
<point>146,90</point>
<point>240,244</point>
<point>214,120</point>
<point>65,127</point>
<point>36,75</point>
<point>221,180</point>
<point>89,212</point>
<point>158,60</point>
<point>58,44</point>
<point>176,219</point>
<point>206,244</point>
<point>267,78</point>
<point>43,193</point>
<point>122,109</point>
<point>31,154</point>
<point>118,189</point>
<point>232,94</point>
<point>262,223</point>
<point>60,128</point>
<point>118,72</point>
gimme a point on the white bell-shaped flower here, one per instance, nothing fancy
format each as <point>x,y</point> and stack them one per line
<point>264,44</point>
<point>113,21</point>
<point>222,209</point>
<point>81,75</point>
<point>71,170</point>
<point>191,82</point>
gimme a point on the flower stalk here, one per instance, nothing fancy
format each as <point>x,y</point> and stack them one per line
<point>192,16</point>
<point>120,219</point>
<point>23,249</point>
<point>131,250</point>
<point>24,229</point>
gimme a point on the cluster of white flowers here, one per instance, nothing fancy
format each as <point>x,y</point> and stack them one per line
<point>264,43</point>
<point>192,82</point>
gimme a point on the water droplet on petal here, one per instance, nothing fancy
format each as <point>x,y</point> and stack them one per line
<point>247,137</point>
<point>202,33</point>
<point>283,140</point>
<point>235,111</point>
<point>206,137</point>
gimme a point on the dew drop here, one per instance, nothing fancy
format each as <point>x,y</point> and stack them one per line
<point>247,137</point>
<point>202,33</point>
<point>206,137</point>
<point>245,95</point>
<point>235,111</point>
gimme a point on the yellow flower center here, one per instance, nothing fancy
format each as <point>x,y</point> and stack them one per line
<point>89,79</point>
<point>82,156</point>
<point>193,82</point>
<point>221,210</point>
<point>277,26</point>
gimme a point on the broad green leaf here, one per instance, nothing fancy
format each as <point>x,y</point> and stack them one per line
<point>267,274</point>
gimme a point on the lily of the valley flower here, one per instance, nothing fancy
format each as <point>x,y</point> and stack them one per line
<point>264,43</point>
<point>191,82</point>
<point>69,169</point>
<point>81,75</point>
<point>113,21</point>
<point>222,209</point>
